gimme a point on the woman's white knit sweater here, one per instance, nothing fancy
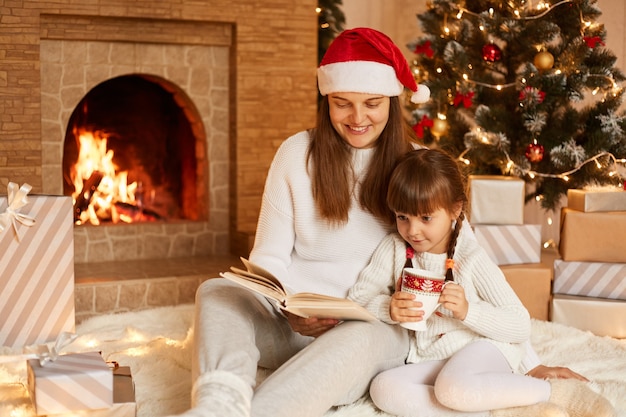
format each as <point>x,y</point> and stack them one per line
<point>495,312</point>
<point>301,249</point>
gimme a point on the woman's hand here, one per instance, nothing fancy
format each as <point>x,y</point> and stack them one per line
<point>547,372</point>
<point>453,298</point>
<point>403,308</point>
<point>311,326</point>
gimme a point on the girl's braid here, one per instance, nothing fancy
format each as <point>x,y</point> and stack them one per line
<point>452,246</point>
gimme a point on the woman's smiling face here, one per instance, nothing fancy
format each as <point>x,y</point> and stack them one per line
<point>359,118</point>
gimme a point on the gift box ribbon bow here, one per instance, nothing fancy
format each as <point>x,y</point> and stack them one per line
<point>44,353</point>
<point>17,198</point>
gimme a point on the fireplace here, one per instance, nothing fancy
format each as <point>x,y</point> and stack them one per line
<point>242,73</point>
<point>163,111</point>
<point>130,153</point>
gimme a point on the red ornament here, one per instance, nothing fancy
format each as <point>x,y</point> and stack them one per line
<point>492,52</point>
<point>534,152</point>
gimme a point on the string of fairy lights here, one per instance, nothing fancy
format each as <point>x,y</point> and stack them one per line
<point>544,61</point>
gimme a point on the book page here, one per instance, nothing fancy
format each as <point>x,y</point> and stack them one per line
<point>320,310</point>
<point>305,304</point>
<point>258,278</point>
<point>304,297</point>
<point>256,286</point>
<point>257,270</point>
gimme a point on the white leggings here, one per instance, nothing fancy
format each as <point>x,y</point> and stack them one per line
<point>235,331</point>
<point>475,380</point>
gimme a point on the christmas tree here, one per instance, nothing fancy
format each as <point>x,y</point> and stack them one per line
<point>524,88</point>
<point>330,20</point>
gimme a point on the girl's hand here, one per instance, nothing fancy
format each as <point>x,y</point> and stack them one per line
<point>403,308</point>
<point>453,298</point>
<point>311,326</point>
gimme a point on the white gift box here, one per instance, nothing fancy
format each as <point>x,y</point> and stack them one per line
<point>73,382</point>
<point>591,279</point>
<point>601,316</point>
<point>496,199</point>
<point>510,244</point>
<point>37,270</point>
<point>613,199</point>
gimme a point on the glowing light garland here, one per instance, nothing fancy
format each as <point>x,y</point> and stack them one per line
<point>541,5</point>
<point>563,175</point>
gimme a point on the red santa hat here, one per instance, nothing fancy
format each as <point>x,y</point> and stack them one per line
<point>364,60</point>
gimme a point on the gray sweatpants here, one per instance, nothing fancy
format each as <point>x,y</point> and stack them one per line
<point>236,331</point>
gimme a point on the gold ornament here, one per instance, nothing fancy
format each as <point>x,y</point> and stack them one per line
<point>544,60</point>
<point>440,127</point>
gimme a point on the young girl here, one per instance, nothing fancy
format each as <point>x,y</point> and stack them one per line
<point>466,362</point>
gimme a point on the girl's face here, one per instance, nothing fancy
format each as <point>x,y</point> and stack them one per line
<point>359,118</point>
<point>426,232</point>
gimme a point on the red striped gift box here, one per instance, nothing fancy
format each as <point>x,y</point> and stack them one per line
<point>591,279</point>
<point>510,244</point>
<point>73,382</point>
<point>37,272</point>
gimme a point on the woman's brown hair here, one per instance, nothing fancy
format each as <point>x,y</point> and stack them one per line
<point>329,162</point>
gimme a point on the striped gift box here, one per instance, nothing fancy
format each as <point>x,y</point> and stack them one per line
<point>510,244</point>
<point>73,382</point>
<point>591,279</point>
<point>124,403</point>
<point>37,273</point>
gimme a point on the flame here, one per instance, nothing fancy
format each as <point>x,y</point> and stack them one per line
<point>95,161</point>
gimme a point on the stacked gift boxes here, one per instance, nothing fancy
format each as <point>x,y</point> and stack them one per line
<point>37,309</point>
<point>590,278</point>
<point>496,213</point>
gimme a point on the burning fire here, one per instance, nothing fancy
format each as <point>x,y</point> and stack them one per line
<point>101,192</point>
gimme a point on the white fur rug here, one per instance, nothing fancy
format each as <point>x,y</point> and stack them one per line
<point>156,345</point>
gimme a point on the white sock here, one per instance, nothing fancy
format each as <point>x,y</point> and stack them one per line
<point>220,394</point>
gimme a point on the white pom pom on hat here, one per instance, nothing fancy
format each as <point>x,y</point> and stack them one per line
<point>364,60</point>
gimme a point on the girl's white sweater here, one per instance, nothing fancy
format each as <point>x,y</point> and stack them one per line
<point>495,312</point>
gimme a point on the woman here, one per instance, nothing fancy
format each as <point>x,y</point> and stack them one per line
<point>323,213</point>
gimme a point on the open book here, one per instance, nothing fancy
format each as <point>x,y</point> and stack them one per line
<point>307,304</point>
